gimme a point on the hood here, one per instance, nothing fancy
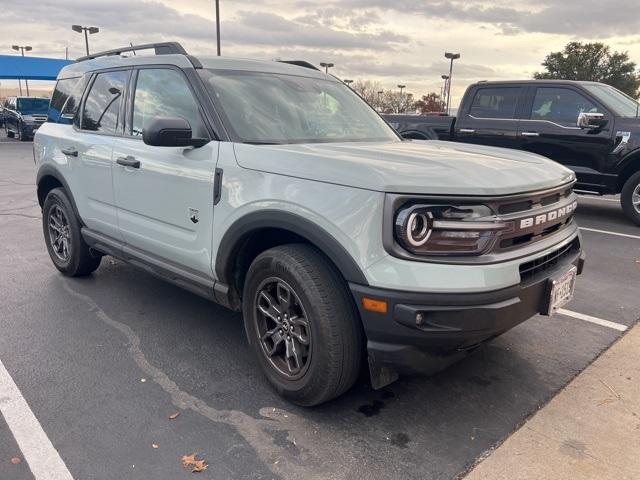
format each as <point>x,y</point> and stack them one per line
<point>414,167</point>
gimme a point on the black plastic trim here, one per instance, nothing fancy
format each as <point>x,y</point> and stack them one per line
<point>217,186</point>
<point>165,269</point>
<point>49,170</point>
<point>234,236</point>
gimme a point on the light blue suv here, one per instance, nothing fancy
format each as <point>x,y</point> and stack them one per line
<point>275,190</point>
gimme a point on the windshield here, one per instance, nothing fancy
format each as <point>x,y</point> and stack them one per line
<point>622,104</point>
<point>276,108</point>
<point>30,106</point>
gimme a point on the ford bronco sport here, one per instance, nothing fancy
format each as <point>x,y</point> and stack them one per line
<point>275,190</point>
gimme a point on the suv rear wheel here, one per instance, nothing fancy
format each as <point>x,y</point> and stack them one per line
<point>67,249</point>
<point>630,198</point>
<point>302,324</point>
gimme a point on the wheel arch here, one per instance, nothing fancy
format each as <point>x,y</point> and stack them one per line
<point>260,230</point>
<point>48,178</point>
<point>632,165</point>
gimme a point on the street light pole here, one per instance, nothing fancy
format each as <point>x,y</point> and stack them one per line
<point>452,57</point>
<point>380,92</point>
<point>443,89</point>
<point>22,50</point>
<point>87,31</point>
<point>401,87</point>
<point>326,66</point>
<point>218,25</point>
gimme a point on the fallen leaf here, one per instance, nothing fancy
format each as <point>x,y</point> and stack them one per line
<point>155,445</point>
<point>192,462</point>
<point>16,460</point>
<point>173,416</point>
<point>199,466</point>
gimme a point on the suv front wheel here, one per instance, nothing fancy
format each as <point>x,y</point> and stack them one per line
<point>630,198</point>
<point>302,324</point>
<point>67,249</point>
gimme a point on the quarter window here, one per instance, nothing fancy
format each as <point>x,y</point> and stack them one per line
<point>560,105</point>
<point>164,93</point>
<point>495,102</point>
<point>66,99</point>
<point>100,113</point>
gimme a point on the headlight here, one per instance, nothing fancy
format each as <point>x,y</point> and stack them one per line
<point>448,229</point>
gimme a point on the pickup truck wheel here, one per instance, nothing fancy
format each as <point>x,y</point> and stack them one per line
<point>67,249</point>
<point>302,324</point>
<point>630,198</point>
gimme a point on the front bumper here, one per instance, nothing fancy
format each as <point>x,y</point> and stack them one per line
<point>29,130</point>
<point>452,324</point>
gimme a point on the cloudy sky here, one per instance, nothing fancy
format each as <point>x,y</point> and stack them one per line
<point>389,41</point>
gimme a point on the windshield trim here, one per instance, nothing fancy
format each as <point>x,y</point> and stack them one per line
<point>236,138</point>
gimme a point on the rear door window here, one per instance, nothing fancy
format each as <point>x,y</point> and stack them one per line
<point>102,106</point>
<point>499,102</point>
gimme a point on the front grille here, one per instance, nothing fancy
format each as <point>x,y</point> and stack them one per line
<point>532,268</point>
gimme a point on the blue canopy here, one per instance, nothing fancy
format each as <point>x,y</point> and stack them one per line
<point>14,67</point>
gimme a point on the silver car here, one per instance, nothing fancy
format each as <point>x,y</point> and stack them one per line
<point>275,190</point>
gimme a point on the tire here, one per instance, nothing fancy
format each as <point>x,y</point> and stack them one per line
<point>76,259</point>
<point>630,198</point>
<point>9,133</point>
<point>21,136</point>
<point>333,330</point>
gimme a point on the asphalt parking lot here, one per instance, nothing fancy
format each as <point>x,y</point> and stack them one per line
<point>104,361</point>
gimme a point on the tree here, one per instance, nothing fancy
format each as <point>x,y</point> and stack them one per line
<point>594,62</point>
<point>367,90</point>
<point>429,103</point>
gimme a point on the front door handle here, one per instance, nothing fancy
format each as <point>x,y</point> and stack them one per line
<point>70,152</point>
<point>128,161</point>
<point>530,134</point>
<point>467,130</point>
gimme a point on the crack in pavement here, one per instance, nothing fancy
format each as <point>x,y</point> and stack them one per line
<point>256,431</point>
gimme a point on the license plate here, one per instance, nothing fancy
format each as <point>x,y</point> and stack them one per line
<point>561,291</point>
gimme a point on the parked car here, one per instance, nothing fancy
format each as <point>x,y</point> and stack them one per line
<point>2,107</point>
<point>273,189</point>
<point>590,127</point>
<point>24,115</point>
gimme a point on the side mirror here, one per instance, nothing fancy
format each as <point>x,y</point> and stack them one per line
<point>592,121</point>
<point>171,132</point>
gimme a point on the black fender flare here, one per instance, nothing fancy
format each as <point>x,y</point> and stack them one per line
<point>48,170</point>
<point>241,228</point>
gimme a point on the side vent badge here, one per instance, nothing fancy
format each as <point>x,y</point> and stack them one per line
<point>193,215</point>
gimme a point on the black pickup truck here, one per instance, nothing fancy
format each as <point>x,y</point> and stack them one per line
<point>590,127</point>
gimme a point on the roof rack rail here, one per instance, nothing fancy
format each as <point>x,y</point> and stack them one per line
<point>162,48</point>
<point>300,63</point>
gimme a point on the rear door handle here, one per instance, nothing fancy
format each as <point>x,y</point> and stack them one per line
<point>530,134</point>
<point>467,130</point>
<point>128,161</point>
<point>70,152</point>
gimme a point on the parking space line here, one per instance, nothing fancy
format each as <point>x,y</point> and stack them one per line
<point>596,320</point>
<point>43,459</point>
<point>637,237</point>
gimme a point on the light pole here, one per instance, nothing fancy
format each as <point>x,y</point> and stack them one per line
<point>22,49</point>
<point>326,66</point>
<point>443,89</point>
<point>87,31</point>
<point>452,57</point>
<point>380,92</point>
<point>401,87</point>
<point>218,25</point>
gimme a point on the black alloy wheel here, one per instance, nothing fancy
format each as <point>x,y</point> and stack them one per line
<point>283,328</point>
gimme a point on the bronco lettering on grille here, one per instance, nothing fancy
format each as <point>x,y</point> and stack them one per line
<point>543,218</point>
